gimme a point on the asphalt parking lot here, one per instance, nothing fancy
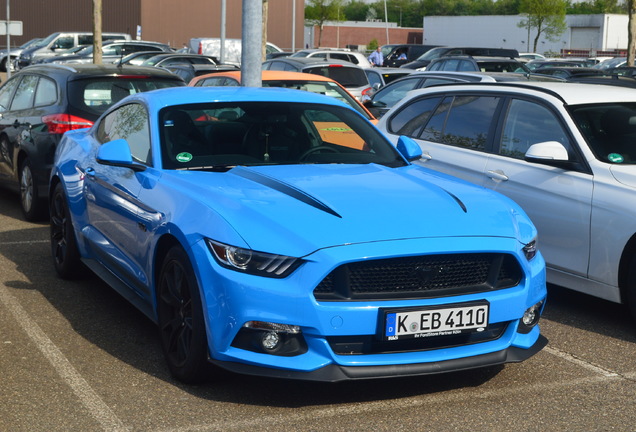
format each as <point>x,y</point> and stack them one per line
<point>74,356</point>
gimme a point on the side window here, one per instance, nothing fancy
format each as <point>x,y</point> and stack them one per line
<point>6,91</point>
<point>111,50</point>
<point>390,95</point>
<point>412,117</point>
<point>46,93</point>
<point>64,42</point>
<point>462,121</point>
<point>23,98</point>
<point>85,39</point>
<point>129,122</point>
<point>373,78</point>
<point>529,123</point>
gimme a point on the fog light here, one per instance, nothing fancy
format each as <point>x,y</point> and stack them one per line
<point>530,318</point>
<point>270,340</point>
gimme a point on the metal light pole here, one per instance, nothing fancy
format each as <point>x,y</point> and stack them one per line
<point>8,62</point>
<point>222,38</point>
<point>386,23</point>
<point>252,46</point>
<point>293,47</point>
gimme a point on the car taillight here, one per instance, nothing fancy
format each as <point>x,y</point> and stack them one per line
<point>366,91</point>
<point>60,123</point>
<point>200,48</point>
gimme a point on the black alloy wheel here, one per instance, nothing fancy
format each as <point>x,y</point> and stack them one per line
<point>180,316</point>
<point>66,257</point>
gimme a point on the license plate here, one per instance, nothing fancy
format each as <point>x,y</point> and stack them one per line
<point>435,321</point>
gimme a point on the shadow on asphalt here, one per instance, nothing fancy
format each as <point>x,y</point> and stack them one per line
<point>102,317</point>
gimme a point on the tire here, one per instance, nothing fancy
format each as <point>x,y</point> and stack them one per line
<point>66,257</point>
<point>180,317</point>
<point>33,207</point>
<point>630,290</point>
<point>3,65</point>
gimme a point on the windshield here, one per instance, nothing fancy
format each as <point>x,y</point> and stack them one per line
<point>432,53</point>
<point>219,136</point>
<point>609,129</point>
<point>345,75</point>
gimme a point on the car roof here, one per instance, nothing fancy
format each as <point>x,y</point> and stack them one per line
<point>312,61</point>
<point>192,95</point>
<point>89,69</point>
<point>569,93</point>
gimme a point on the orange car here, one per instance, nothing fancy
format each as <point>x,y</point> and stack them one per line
<point>329,131</point>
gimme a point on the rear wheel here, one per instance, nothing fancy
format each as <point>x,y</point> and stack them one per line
<point>33,207</point>
<point>180,316</point>
<point>66,257</point>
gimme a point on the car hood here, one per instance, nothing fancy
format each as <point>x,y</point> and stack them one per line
<point>297,209</point>
<point>625,174</point>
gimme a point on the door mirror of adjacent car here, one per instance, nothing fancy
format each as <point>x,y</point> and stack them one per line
<point>117,153</point>
<point>551,153</point>
<point>409,148</point>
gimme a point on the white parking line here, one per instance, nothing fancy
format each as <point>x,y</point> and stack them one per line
<point>91,400</point>
<point>584,364</point>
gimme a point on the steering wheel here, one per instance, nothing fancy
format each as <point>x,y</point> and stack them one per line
<point>319,148</point>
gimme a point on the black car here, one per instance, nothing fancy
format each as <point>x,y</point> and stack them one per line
<point>41,102</point>
<point>567,72</point>
<point>471,64</point>
<point>395,55</point>
<point>434,53</point>
<point>349,75</point>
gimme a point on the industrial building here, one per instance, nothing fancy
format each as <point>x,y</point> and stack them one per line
<point>586,35</point>
<point>167,21</point>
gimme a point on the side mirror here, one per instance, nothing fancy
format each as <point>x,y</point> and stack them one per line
<point>117,153</point>
<point>409,148</point>
<point>549,150</point>
<point>551,153</point>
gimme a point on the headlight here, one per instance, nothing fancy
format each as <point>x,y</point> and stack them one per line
<point>253,262</point>
<point>530,249</point>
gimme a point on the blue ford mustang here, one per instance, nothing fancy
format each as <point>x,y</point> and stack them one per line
<point>277,232</point>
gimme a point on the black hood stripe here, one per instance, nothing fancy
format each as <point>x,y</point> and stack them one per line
<point>282,187</point>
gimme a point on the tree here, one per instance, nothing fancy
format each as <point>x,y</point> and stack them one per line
<point>546,17</point>
<point>317,12</point>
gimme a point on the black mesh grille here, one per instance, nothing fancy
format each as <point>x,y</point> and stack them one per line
<point>420,277</point>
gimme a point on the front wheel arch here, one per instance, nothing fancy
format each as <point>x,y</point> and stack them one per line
<point>627,276</point>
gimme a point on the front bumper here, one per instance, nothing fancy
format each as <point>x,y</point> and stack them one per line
<point>232,299</point>
<point>335,372</point>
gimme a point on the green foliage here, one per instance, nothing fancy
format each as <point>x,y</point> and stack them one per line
<point>373,45</point>
<point>411,12</point>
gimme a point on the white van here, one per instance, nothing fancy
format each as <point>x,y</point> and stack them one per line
<point>60,41</point>
<point>212,47</point>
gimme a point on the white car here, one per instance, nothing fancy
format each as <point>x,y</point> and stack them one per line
<point>354,57</point>
<point>565,152</point>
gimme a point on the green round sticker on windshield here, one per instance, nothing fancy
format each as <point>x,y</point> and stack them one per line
<point>615,157</point>
<point>184,157</point>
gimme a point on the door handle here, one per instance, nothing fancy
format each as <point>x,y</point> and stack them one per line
<point>497,175</point>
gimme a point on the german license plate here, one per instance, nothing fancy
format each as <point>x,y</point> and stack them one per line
<point>435,321</point>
